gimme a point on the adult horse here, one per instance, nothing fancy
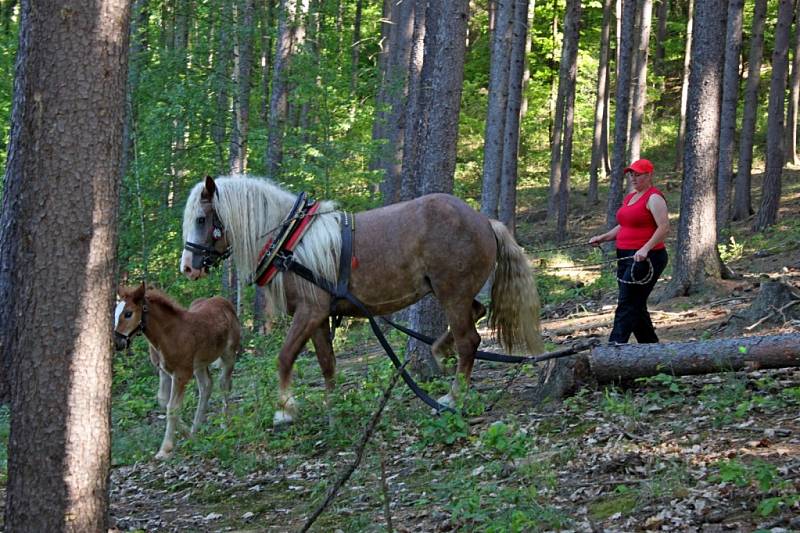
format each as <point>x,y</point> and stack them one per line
<point>432,244</point>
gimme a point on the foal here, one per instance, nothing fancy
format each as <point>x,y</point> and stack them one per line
<point>182,342</point>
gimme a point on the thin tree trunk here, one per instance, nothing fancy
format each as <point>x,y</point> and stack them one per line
<point>526,76</point>
<point>742,203</point>
<point>355,50</point>
<point>221,69</point>
<point>618,161</point>
<point>278,94</point>
<point>727,126</point>
<point>268,15</point>
<point>794,94</point>
<point>640,80</point>
<point>681,141</point>
<point>410,186</point>
<point>241,105</point>
<point>597,169</point>
<point>771,187</point>
<point>662,14</point>
<point>494,138</point>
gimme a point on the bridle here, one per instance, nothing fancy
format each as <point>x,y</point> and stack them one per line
<point>138,329</point>
<point>209,257</point>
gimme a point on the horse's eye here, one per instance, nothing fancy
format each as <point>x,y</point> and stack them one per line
<point>128,314</point>
<point>201,221</point>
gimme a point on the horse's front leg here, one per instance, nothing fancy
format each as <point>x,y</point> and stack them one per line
<point>303,325</point>
<point>204,386</point>
<point>326,359</point>
<point>179,381</point>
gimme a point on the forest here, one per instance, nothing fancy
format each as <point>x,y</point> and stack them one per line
<point>116,114</point>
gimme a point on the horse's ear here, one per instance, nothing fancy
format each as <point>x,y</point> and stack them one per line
<point>138,294</point>
<point>210,189</point>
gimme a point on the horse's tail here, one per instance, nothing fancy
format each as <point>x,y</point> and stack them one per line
<point>514,313</point>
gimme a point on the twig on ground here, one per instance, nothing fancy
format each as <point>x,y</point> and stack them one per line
<point>772,314</point>
<point>362,445</point>
<point>387,515</point>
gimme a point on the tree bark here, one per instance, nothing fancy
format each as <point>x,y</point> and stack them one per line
<point>409,187</point>
<point>278,102</point>
<point>58,258</point>
<point>221,69</point>
<point>742,203</point>
<point>243,65</point>
<point>662,14</point>
<point>727,125</point>
<point>696,256</point>
<point>771,186</point>
<point>355,50</point>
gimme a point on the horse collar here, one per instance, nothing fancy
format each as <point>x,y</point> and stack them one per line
<point>278,251</point>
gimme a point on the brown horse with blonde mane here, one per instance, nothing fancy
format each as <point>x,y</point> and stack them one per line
<point>182,342</point>
<point>433,244</point>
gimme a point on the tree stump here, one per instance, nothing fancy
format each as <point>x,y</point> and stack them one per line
<point>776,303</point>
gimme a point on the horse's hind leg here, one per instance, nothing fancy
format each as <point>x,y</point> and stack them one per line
<point>179,381</point>
<point>204,386</point>
<point>466,340</point>
<point>445,344</point>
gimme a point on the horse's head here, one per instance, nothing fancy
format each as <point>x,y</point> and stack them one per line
<point>206,243</point>
<point>129,316</point>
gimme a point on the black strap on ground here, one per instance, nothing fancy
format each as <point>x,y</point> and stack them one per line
<point>500,357</point>
<point>286,262</point>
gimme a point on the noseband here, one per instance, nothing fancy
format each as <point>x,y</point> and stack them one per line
<point>207,256</point>
<point>138,329</point>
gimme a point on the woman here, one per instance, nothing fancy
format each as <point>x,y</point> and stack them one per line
<point>643,223</point>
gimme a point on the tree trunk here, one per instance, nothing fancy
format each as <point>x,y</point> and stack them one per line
<point>243,65</point>
<point>742,203</point>
<point>727,125</point>
<point>618,160</point>
<point>681,141</point>
<point>662,14</point>
<point>440,102</point>
<point>412,135</point>
<point>526,76</point>
<point>696,254</point>
<point>279,93</point>
<point>508,175</point>
<point>58,259</point>
<point>138,45</point>
<point>221,69</point>
<point>494,137</point>
<point>771,186</point>
<point>572,21</point>
<point>355,50</point>
<point>597,169</point>
<point>794,95</point>
<point>267,17</point>
<point>640,81</point>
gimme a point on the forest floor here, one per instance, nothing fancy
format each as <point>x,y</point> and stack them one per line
<point>717,452</point>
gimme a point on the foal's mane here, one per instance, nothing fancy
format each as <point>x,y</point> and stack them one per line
<point>250,208</point>
<point>156,297</point>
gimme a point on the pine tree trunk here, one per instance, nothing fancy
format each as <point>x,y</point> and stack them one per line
<point>278,106</point>
<point>241,104</point>
<point>618,159</point>
<point>742,203</point>
<point>58,260</point>
<point>597,169</point>
<point>696,257</point>
<point>681,141</point>
<point>771,187</point>
<point>640,80</point>
<point>494,138</point>
<point>572,22</point>
<point>221,69</point>
<point>662,14</point>
<point>794,95</point>
<point>355,50</point>
<point>727,126</point>
<point>414,122</point>
<point>267,18</point>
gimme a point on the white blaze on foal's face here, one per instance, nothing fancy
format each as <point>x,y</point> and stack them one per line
<point>118,313</point>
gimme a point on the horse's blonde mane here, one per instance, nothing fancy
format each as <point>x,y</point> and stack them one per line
<point>250,208</point>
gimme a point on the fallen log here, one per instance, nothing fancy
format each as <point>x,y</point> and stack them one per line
<point>608,363</point>
<point>560,378</point>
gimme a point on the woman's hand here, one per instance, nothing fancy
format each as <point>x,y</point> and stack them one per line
<point>641,254</point>
<point>597,239</point>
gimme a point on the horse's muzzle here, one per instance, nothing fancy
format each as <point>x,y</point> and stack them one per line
<point>121,342</point>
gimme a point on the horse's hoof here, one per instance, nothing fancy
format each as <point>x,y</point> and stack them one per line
<point>447,401</point>
<point>163,455</point>
<point>281,420</point>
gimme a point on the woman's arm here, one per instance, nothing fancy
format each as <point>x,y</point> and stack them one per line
<point>658,207</point>
<point>610,235</point>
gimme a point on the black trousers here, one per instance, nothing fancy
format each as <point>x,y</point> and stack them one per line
<point>631,315</point>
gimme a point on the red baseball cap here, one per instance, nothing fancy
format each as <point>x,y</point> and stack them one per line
<point>640,166</point>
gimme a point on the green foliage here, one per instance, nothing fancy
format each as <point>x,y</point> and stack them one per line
<point>443,430</point>
<point>504,441</point>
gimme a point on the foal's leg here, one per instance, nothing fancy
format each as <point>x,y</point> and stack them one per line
<point>179,381</point>
<point>466,339</point>
<point>228,359</point>
<point>303,325</point>
<point>164,379</point>
<point>204,385</point>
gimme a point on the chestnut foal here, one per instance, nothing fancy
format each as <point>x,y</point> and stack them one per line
<point>182,342</point>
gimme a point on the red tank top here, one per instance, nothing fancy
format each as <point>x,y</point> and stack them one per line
<point>636,222</point>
